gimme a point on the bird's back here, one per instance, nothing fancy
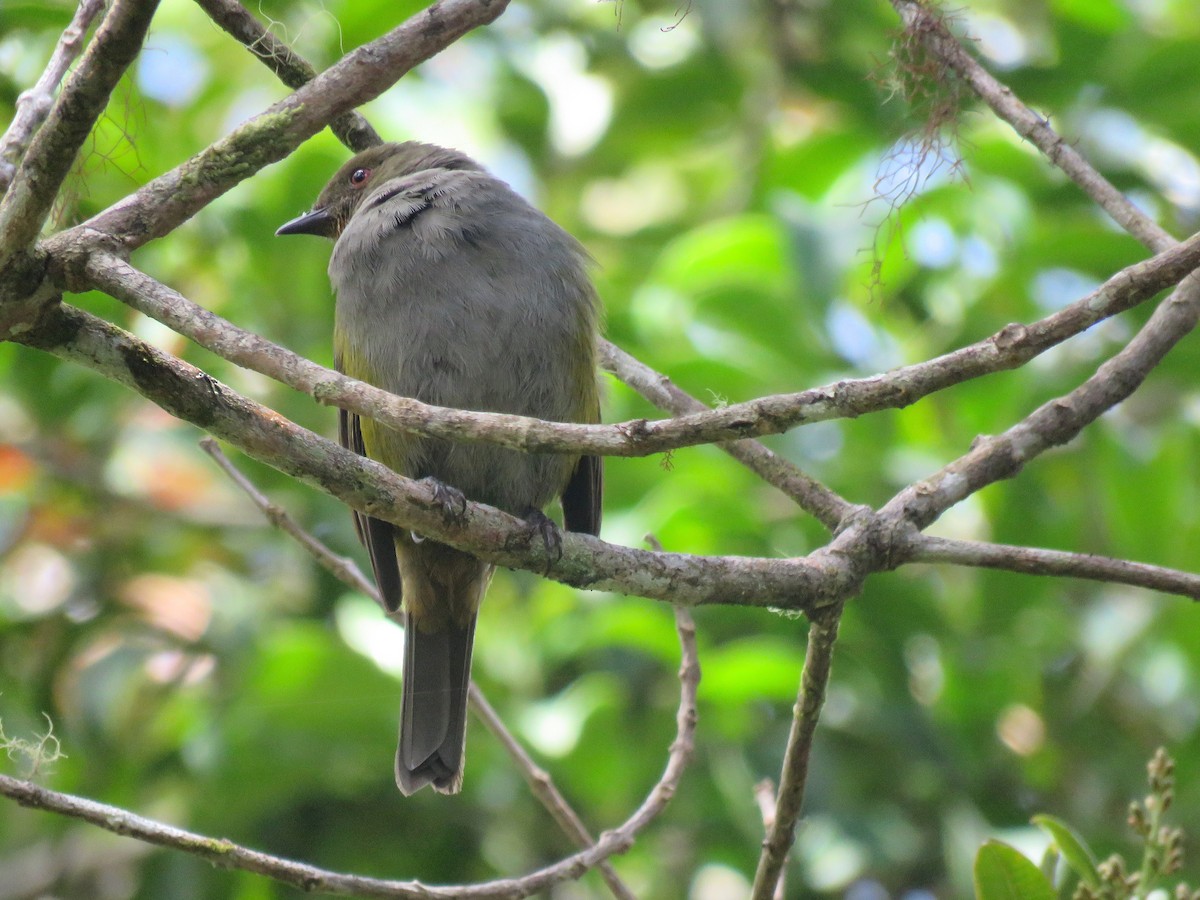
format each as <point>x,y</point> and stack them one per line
<point>462,298</point>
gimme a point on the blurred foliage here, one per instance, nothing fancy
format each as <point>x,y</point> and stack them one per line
<point>723,163</point>
<point>1069,867</point>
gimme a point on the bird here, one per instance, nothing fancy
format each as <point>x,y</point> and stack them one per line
<point>452,289</point>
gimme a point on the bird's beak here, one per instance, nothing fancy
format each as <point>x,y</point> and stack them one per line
<point>319,222</point>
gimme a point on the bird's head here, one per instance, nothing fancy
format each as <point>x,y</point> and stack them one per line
<point>355,181</point>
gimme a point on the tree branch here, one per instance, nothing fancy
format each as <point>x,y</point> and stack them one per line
<point>818,660</point>
<point>825,505</point>
<point>1036,561</point>
<point>342,568</point>
<point>929,27</point>
<point>542,786</point>
<point>188,393</point>
<point>51,153</point>
<point>1056,422</point>
<point>361,75</point>
<point>309,878</point>
<point>764,796</point>
<point>54,147</point>
<point>1007,349</point>
<point>351,128</point>
<point>34,104</point>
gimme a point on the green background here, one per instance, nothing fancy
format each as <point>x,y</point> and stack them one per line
<point>724,163</point>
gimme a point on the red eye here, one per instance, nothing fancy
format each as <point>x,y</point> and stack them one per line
<point>359,177</point>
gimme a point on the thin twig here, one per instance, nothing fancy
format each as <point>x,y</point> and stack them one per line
<point>312,879</point>
<point>764,796</point>
<point>34,104</point>
<point>928,25</point>
<point>346,571</point>
<point>342,568</point>
<point>1008,348</point>
<point>818,659</point>
<point>1036,561</point>
<point>54,146</point>
<point>351,128</point>
<point>813,497</point>
<point>542,786</point>
<point>364,73</point>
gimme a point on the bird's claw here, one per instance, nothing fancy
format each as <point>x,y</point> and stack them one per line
<point>540,525</point>
<point>452,501</point>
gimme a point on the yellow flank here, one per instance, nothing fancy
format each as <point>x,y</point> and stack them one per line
<point>442,586</point>
<point>388,451</point>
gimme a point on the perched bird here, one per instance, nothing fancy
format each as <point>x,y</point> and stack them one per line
<point>454,290</point>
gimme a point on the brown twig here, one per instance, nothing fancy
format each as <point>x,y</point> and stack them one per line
<point>54,146</point>
<point>928,25</point>
<point>1036,561</point>
<point>818,659</point>
<point>342,568</point>
<point>542,786</point>
<point>1057,421</point>
<point>24,287</point>
<point>312,879</point>
<point>813,497</point>
<point>764,796</point>
<point>1011,347</point>
<point>346,571</point>
<point>34,104</point>
<point>351,128</point>
<point>362,74</point>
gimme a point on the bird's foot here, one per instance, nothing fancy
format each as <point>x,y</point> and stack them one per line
<point>540,525</point>
<point>452,501</point>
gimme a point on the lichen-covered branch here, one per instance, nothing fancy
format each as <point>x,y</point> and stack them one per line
<point>190,394</point>
<point>351,128</point>
<point>54,147</point>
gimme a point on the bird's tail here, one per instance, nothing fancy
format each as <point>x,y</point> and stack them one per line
<point>433,711</point>
<point>442,590</point>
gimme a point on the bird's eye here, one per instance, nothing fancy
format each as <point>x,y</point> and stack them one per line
<point>359,177</point>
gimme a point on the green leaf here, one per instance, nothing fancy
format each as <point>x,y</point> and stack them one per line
<point>1098,15</point>
<point>1003,873</point>
<point>1075,851</point>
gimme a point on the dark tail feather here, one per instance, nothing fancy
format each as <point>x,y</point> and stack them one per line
<point>433,711</point>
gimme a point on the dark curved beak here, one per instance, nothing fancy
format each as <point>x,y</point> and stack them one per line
<point>318,222</point>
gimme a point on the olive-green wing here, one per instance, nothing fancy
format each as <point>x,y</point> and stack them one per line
<point>376,535</point>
